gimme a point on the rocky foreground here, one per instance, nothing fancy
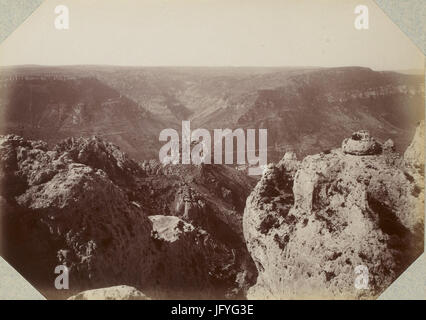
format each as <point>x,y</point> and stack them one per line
<point>308,224</point>
<point>142,230</point>
<point>173,232</point>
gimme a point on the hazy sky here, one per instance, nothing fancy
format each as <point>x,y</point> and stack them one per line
<point>211,33</point>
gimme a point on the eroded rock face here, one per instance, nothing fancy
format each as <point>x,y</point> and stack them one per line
<point>100,154</point>
<point>210,198</point>
<point>86,205</point>
<point>389,146</point>
<point>414,156</point>
<point>62,212</point>
<point>341,211</point>
<point>191,260</point>
<point>361,143</point>
<point>111,293</point>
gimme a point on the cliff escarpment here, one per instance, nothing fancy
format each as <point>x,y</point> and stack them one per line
<point>311,224</point>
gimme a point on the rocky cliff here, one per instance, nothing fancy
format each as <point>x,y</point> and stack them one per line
<point>58,211</point>
<point>310,224</point>
<point>306,110</point>
<point>86,205</point>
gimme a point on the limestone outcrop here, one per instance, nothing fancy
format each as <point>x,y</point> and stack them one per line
<point>414,156</point>
<point>349,207</point>
<point>361,143</point>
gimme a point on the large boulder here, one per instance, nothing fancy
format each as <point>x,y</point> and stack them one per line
<point>341,212</point>
<point>111,293</point>
<point>361,143</point>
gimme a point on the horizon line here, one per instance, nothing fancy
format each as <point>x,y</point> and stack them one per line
<point>207,66</point>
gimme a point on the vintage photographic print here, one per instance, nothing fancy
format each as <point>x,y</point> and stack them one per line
<point>211,149</point>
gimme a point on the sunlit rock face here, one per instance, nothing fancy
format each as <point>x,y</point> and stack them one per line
<point>414,156</point>
<point>111,293</point>
<point>307,232</point>
<point>360,144</point>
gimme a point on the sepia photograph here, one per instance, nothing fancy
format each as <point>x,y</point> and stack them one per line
<point>211,150</point>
